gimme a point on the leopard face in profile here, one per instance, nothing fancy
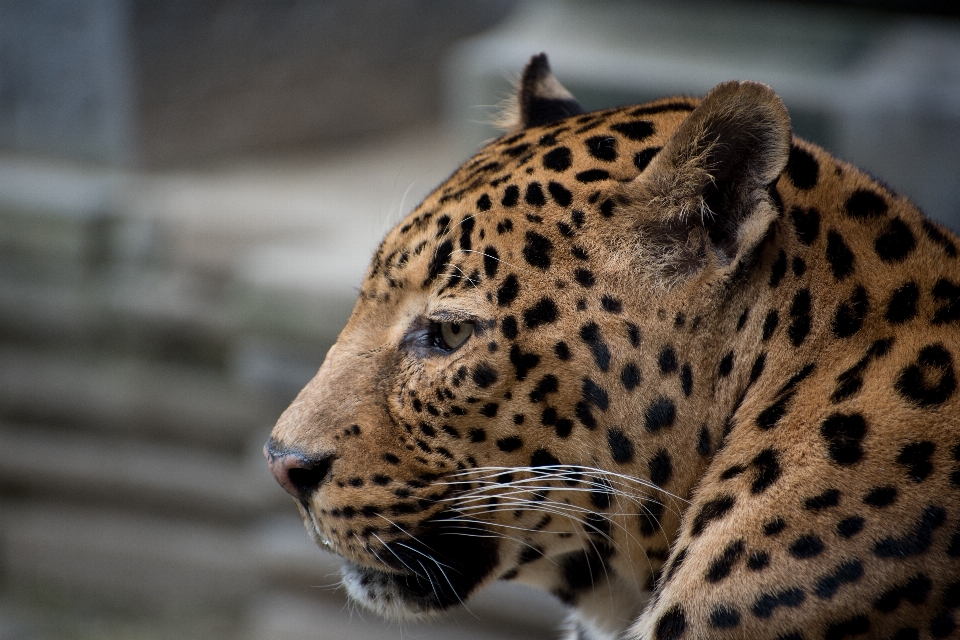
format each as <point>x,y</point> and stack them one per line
<point>690,374</point>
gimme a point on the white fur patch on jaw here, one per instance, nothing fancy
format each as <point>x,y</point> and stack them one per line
<point>376,591</point>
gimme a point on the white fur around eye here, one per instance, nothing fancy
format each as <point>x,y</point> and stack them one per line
<point>455,334</point>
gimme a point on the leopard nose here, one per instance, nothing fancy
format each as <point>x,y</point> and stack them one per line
<point>298,473</point>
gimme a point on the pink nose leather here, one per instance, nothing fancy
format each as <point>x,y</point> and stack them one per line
<point>298,474</point>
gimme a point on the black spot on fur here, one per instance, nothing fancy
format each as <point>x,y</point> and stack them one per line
<point>592,175</point>
<point>726,365</point>
<point>930,381</point>
<point>661,468</point>
<point>770,416</point>
<point>881,496</point>
<point>903,303</point>
<point>767,603</point>
<point>511,195</point>
<point>721,566</point>
<point>724,617</point>
<point>508,291</point>
<point>630,376</point>
<point>779,269</point>
<point>940,238</point>
<point>671,624</point>
<point>773,527</point>
<point>916,458</point>
<point>660,414</point>
<point>667,360</point>
<point>846,572</point>
<point>686,379</point>
<point>914,591</point>
<point>548,384</point>
<point>948,295</point>
<point>800,317</point>
<point>703,442</point>
<point>825,500</point>
<point>561,350</point>
<point>509,328</point>
<point>732,471</point>
<point>543,312</point>
<point>484,375</point>
<point>853,626</point>
<point>650,514</point>
<point>642,158</point>
<point>896,242</point>
<point>543,458</point>
<point>523,361</point>
<point>758,560</point>
<point>636,130</point>
<point>742,320</point>
<point>864,204</point>
<point>439,261</point>
<point>770,324</point>
<point>595,395</point>
<point>850,314</point>
<point>534,195</point>
<point>537,250</point>
<point>850,381</point>
<point>806,546</point>
<point>621,448</point>
<point>806,224</point>
<point>802,168</point>
<point>590,334</point>
<point>558,159</point>
<point>843,434</point>
<point>839,256</point>
<point>849,527</point>
<point>491,261</point>
<point>607,207</point>
<point>560,194</point>
<point>767,464</point>
<point>757,369</point>
<point>799,266</point>
<point>710,511</point>
<point>602,147</point>
<point>509,444</point>
<point>633,333</point>
<point>584,277</point>
<point>915,542</point>
<point>611,304</point>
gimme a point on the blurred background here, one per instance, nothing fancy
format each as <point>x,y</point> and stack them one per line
<point>189,193</point>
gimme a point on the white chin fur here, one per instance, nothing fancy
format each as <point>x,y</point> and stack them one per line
<point>379,592</point>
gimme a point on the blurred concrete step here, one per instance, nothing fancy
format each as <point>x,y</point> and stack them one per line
<point>126,559</point>
<point>130,472</point>
<point>169,316</point>
<point>290,615</point>
<point>148,400</point>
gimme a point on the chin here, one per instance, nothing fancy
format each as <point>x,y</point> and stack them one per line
<point>423,575</point>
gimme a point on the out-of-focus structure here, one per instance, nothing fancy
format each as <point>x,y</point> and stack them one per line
<point>189,194</point>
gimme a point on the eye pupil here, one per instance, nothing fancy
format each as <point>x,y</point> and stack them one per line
<point>454,334</point>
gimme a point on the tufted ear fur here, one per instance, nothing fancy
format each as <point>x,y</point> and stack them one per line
<point>706,195</point>
<point>541,98</point>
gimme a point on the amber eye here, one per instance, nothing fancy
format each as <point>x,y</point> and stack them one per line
<point>454,334</point>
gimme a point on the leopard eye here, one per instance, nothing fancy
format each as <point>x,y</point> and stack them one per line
<point>454,334</point>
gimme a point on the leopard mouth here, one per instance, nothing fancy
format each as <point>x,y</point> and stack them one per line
<point>435,570</point>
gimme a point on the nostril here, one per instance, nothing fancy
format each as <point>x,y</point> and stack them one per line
<point>308,478</point>
<point>298,473</point>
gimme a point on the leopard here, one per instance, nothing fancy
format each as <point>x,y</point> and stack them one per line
<point>689,373</point>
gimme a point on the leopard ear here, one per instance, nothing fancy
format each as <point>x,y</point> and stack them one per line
<point>708,194</point>
<point>542,99</point>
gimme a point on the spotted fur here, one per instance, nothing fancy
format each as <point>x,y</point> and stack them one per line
<point>710,389</point>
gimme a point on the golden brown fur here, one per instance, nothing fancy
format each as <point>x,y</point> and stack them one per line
<point>708,361</point>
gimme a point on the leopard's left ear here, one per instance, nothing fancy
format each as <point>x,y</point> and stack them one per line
<point>706,196</point>
<point>541,98</point>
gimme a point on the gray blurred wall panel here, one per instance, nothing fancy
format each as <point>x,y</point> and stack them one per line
<point>140,82</point>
